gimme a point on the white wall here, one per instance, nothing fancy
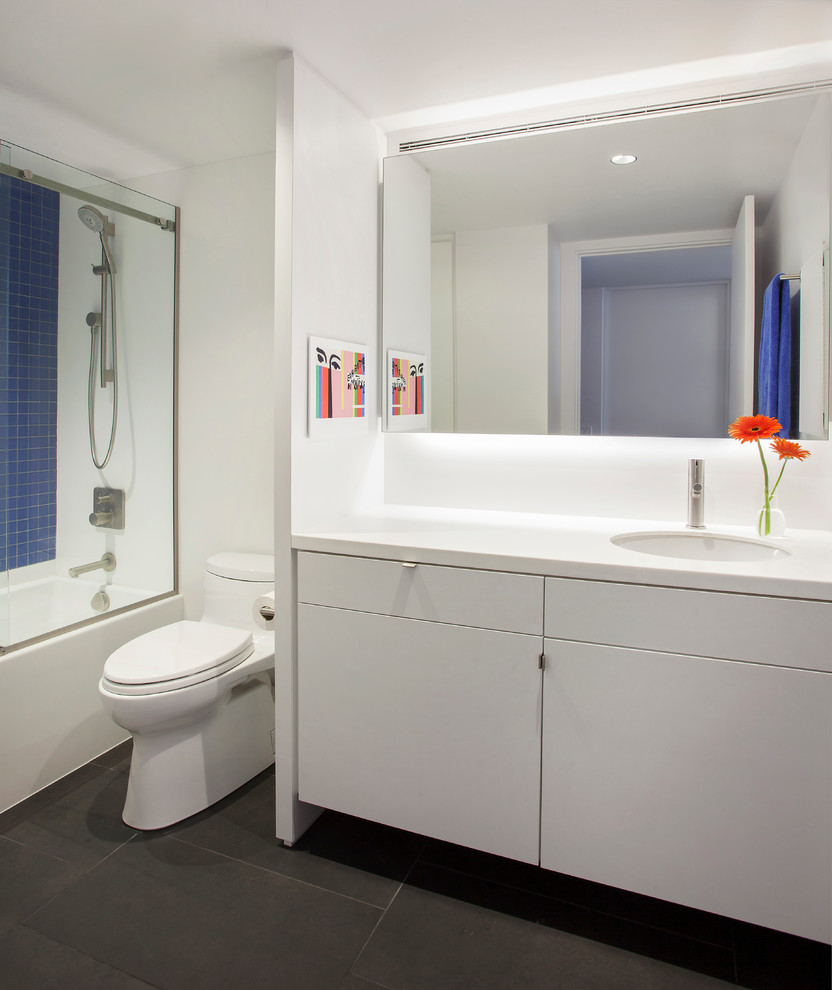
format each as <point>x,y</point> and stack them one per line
<point>501,282</point>
<point>29,123</point>
<point>226,346</point>
<point>334,290</point>
<point>616,477</point>
<point>793,236</point>
<point>799,216</point>
<point>327,180</point>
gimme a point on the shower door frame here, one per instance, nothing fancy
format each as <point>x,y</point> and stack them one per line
<point>164,224</point>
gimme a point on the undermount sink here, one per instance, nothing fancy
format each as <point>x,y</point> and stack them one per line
<point>699,546</point>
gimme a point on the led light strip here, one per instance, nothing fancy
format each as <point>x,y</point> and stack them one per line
<point>612,116</point>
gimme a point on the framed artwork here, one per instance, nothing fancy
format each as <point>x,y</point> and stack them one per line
<point>406,391</point>
<point>338,376</point>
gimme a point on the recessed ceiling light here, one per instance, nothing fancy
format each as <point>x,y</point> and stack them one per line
<point>623,159</point>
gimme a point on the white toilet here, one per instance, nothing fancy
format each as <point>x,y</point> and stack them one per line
<point>198,697</point>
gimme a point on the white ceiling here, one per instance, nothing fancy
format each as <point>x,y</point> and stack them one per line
<point>182,77</point>
<point>692,172</point>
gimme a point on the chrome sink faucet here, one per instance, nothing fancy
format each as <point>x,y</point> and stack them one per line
<point>696,493</point>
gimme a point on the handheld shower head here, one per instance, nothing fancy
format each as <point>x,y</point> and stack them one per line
<point>99,224</point>
<point>95,220</point>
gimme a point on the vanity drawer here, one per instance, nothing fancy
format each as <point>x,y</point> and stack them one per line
<point>784,632</point>
<point>465,597</point>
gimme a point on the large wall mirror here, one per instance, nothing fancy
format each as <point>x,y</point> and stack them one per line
<point>552,290</point>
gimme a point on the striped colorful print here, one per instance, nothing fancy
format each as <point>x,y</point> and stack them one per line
<point>340,386</point>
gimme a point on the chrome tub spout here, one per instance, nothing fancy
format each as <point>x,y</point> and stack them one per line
<point>107,563</point>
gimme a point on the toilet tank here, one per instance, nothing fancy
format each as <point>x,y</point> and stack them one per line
<point>231,585</point>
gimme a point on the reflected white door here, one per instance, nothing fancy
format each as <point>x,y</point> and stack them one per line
<point>665,360</point>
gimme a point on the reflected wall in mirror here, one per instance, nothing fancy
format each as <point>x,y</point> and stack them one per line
<point>557,292</point>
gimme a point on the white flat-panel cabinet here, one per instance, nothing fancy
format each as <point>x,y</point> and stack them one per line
<point>700,781</point>
<point>426,726</point>
<point>676,743</point>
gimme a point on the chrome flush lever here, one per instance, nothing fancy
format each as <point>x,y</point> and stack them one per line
<point>696,493</point>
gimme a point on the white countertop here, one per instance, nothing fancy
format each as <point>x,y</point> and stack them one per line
<point>576,547</point>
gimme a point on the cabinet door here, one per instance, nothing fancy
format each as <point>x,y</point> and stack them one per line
<point>421,725</point>
<point>703,782</point>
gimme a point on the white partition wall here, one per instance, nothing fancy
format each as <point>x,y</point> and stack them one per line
<point>326,250</point>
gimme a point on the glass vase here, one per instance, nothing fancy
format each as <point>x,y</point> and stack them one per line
<point>770,520</point>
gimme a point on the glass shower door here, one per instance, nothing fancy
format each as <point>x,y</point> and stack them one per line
<point>5,632</point>
<point>88,380</point>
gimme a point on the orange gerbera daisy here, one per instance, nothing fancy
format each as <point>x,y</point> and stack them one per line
<point>748,428</point>
<point>788,449</point>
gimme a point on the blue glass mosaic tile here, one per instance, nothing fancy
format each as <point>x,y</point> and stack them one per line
<point>28,371</point>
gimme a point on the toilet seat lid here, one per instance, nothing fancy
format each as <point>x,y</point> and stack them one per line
<point>180,650</point>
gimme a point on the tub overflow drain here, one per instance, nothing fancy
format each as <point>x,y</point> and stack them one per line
<point>100,601</point>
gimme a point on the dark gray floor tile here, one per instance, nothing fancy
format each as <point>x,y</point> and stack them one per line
<point>183,917</point>
<point>117,758</point>
<point>429,942</point>
<point>25,809</point>
<point>356,983</point>
<point>81,827</point>
<point>28,880</point>
<point>365,845</point>
<point>348,856</point>
<point>768,960</point>
<point>29,961</point>
<point>612,929</point>
<point>624,904</point>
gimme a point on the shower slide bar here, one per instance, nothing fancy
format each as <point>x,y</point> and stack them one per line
<point>108,204</point>
<point>107,563</point>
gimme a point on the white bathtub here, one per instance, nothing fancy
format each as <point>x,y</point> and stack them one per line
<point>51,720</point>
<point>48,604</point>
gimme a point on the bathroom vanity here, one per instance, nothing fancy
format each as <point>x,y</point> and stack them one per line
<point>658,725</point>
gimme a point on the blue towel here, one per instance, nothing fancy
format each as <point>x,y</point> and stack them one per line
<point>774,374</point>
